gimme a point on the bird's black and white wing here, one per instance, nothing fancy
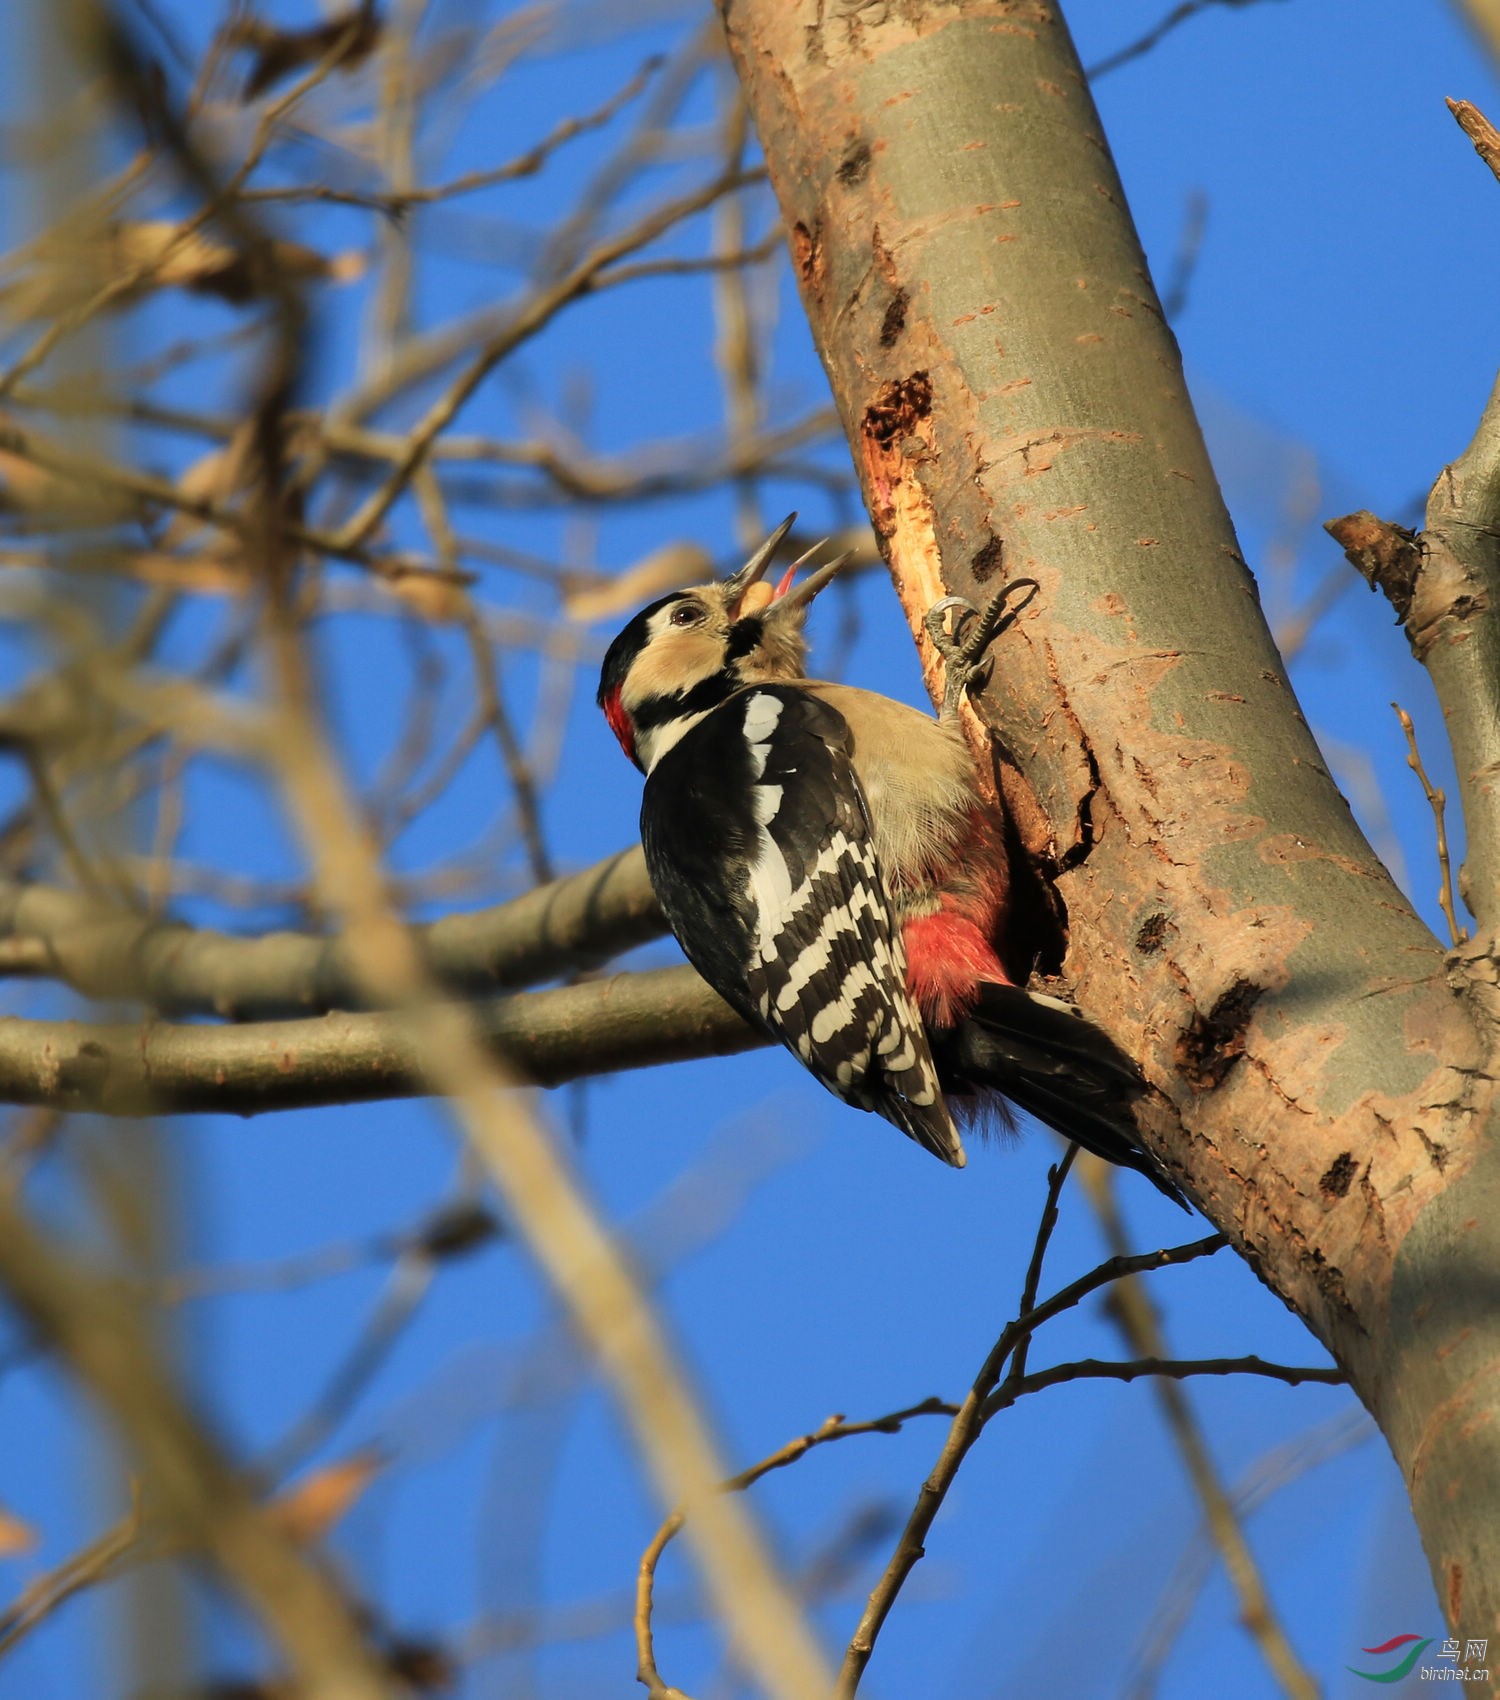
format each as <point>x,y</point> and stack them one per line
<point>759,846</point>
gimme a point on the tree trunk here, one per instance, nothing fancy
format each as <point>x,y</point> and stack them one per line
<point>1015,404</point>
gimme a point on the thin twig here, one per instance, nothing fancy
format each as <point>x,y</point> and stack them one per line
<point>396,202</point>
<point>984,1400</point>
<point>593,1280</point>
<point>964,1430</point>
<point>1180,14</point>
<point>97,1562</point>
<point>101,1337</point>
<point>539,310</point>
<point>1179,1369</point>
<point>1136,1315</point>
<point>132,278</point>
<point>1437,801</point>
<point>1174,297</point>
<point>732,263</point>
<point>1182,1587</point>
<point>736,349</point>
<point>833,1428</point>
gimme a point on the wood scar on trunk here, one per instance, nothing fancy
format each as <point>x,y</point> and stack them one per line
<point>896,435</point>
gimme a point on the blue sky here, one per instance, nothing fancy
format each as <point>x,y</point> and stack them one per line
<point>1340,336</point>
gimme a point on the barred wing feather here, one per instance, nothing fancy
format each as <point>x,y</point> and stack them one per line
<point>782,908</point>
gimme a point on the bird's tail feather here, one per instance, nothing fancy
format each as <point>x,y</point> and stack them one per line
<point>1048,1060</point>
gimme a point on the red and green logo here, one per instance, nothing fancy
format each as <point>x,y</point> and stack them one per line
<point>1403,1667</point>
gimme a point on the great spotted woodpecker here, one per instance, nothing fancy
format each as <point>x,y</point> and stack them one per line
<point>826,864</point>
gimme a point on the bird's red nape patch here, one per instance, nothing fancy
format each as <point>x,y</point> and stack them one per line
<point>947,959</point>
<point>620,722</point>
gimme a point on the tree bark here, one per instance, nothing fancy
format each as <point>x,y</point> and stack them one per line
<point>1016,408</point>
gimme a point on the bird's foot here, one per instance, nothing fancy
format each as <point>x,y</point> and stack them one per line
<point>965,663</point>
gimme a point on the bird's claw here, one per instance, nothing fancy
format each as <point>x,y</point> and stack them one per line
<point>965,663</point>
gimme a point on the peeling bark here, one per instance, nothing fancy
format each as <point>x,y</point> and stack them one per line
<point>1318,1084</point>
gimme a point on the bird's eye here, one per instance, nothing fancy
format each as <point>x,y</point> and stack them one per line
<point>686,614</point>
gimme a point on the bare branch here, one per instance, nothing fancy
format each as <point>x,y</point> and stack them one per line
<point>96,1331</point>
<point>536,312</point>
<point>602,1295</point>
<point>1135,1313</point>
<point>833,1428</point>
<point>1179,1369</point>
<point>1445,588</point>
<point>629,1021</point>
<point>965,1429</point>
<point>95,1563</point>
<point>573,924</point>
<point>1137,49</point>
<point>397,202</point>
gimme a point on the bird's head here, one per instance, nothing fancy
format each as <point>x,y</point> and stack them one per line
<point>686,653</point>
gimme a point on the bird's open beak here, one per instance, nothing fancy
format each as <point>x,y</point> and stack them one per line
<point>749,594</point>
<point>785,599</point>
<point>738,586</point>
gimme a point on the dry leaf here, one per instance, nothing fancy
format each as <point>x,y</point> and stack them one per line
<point>16,1537</point>
<point>26,487</point>
<point>309,1510</point>
<point>458,1229</point>
<point>159,253</point>
<point>278,52</point>
<point>195,261</point>
<point>437,597</point>
<point>423,1665</point>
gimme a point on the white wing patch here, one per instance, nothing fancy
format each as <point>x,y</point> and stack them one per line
<point>767,802</point>
<point>771,890</point>
<point>770,883</point>
<point>761,715</point>
<point>829,971</point>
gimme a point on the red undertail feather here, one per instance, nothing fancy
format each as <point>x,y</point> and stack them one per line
<point>948,958</point>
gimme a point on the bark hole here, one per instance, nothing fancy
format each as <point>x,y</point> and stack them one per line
<point>854,167</point>
<point>1152,934</point>
<point>807,256</point>
<point>899,409</point>
<point>1213,1042</point>
<point>894,322</point>
<point>1340,1176</point>
<point>987,561</point>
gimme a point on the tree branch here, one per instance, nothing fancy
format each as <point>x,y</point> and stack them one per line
<point>1135,1313</point>
<point>570,925</point>
<point>628,1021</point>
<point>96,1331</point>
<point>1445,588</point>
<point>1179,1369</point>
<point>1454,628</point>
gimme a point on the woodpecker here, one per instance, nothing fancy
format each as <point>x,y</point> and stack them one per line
<point>824,860</point>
